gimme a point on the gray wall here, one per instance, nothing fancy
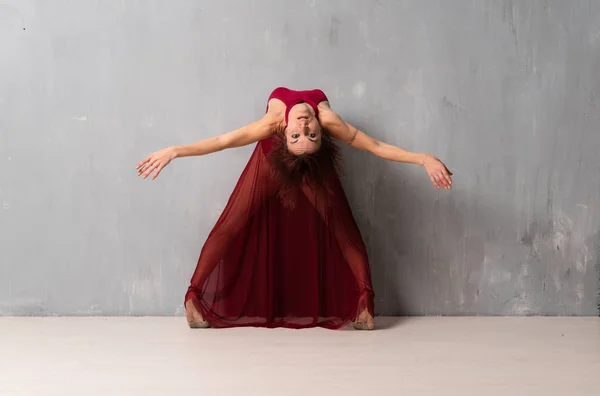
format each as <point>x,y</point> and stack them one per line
<point>505,92</point>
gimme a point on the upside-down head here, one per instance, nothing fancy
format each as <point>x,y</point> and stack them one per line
<point>303,133</point>
<point>293,171</point>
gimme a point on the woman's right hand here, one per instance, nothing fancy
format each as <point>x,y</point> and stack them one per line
<point>438,173</point>
<point>155,162</point>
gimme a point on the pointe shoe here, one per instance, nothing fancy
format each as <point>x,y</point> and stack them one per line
<point>363,326</point>
<point>190,316</point>
<point>364,321</point>
<point>198,325</point>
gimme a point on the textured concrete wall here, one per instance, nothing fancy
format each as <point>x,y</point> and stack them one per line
<point>506,92</point>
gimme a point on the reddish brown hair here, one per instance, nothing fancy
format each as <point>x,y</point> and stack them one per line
<point>290,170</point>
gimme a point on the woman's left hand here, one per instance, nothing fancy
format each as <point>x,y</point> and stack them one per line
<point>155,162</point>
<point>438,173</point>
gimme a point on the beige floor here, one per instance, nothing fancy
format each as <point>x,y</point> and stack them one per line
<point>416,356</point>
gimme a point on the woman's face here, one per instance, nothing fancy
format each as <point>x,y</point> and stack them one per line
<point>303,132</point>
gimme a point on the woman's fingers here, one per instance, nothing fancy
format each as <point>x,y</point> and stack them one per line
<point>143,169</point>
<point>150,168</point>
<point>448,179</point>
<point>448,175</point>
<point>445,180</point>
<point>439,179</point>
<point>143,165</point>
<point>158,169</point>
<point>442,175</point>
<point>435,183</point>
<point>438,173</point>
<point>143,162</point>
<point>153,164</point>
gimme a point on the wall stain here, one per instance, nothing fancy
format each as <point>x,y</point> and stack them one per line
<point>509,12</point>
<point>334,25</point>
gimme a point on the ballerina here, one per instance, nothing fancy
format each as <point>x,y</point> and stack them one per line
<point>286,251</point>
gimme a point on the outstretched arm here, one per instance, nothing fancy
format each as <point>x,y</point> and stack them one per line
<point>340,130</point>
<point>257,130</point>
<point>243,136</point>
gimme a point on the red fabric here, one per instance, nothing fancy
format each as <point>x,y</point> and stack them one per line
<point>266,265</point>
<point>291,98</point>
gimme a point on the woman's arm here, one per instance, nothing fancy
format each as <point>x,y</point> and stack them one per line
<point>257,130</point>
<point>340,130</point>
<point>243,136</point>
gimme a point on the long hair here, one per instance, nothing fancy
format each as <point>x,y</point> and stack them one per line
<point>290,171</point>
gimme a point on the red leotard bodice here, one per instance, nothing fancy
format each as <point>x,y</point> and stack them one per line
<point>291,98</point>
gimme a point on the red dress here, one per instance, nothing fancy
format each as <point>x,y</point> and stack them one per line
<point>267,265</point>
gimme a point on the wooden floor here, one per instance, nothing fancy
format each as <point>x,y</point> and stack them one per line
<point>414,356</point>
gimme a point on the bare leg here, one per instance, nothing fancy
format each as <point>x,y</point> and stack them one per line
<point>340,221</point>
<point>252,190</point>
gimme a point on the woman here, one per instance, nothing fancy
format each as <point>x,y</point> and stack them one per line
<point>286,251</point>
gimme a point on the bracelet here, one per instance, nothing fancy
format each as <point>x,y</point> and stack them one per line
<point>353,137</point>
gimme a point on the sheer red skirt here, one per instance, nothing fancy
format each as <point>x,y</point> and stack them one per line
<point>267,265</point>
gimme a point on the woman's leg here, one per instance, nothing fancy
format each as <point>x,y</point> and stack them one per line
<point>253,189</point>
<point>337,215</point>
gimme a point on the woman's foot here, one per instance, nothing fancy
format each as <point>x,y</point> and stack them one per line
<point>194,317</point>
<point>364,321</point>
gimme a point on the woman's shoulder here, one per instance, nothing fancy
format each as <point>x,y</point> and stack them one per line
<point>325,109</point>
